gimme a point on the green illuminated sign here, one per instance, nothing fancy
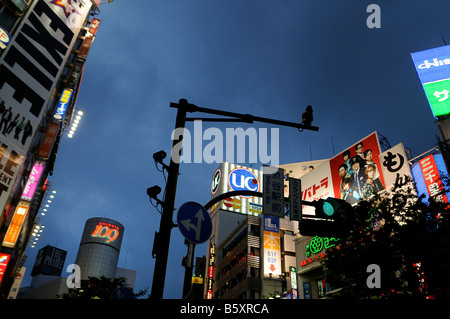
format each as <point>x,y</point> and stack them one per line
<point>438,94</point>
<point>318,243</point>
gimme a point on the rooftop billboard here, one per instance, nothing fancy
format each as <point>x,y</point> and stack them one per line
<point>433,69</point>
<point>352,175</point>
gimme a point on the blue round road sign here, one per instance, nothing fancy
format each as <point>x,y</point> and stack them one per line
<point>194,222</point>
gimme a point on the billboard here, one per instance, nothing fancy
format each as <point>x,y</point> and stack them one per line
<point>272,245</point>
<point>427,176</point>
<point>360,163</point>
<point>232,177</point>
<point>49,139</point>
<point>433,69</point>
<point>395,167</point>
<point>33,181</point>
<point>352,175</point>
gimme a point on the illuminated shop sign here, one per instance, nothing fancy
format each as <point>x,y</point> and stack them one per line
<point>106,230</point>
<point>432,179</point>
<point>4,38</point>
<point>15,226</point>
<point>230,177</point>
<point>210,283</point>
<point>315,246</point>
<point>4,260</point>
<point>216,181</point>
<point>33,181</point>
<point>49,138</point>
<point>62,104</point>
<point>272,246</point>
<point>293,275</point>
<point>243,179</point>
<point>433,69</point>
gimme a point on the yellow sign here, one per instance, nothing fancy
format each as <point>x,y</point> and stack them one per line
<point>197,280</point>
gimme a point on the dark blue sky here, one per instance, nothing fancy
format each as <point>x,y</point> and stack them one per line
<point>266,58</point>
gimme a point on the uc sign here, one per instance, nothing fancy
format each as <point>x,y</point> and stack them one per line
<point>243,179</point>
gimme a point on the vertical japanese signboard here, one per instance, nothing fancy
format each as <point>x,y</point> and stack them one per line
<point>433,69</point>
<point>210,278</point>
<point>432,179</point>
<point>295,198</point>
<point>33,181</point>
<point>293,276</point>
<point>273,192</point>
<point>49,139</point>
<point>272,247</point>
<point>395,167</point>
<point>16,224</point>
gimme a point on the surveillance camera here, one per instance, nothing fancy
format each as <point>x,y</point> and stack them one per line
<point>153,191</point>
<point>159,156</point>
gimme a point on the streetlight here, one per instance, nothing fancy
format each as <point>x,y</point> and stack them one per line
<point>166,224</point>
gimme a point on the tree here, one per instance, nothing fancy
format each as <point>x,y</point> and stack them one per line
<point>97,288</point>
<point>407,237</point>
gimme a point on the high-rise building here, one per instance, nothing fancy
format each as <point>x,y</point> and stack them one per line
<point>43,49</point>
<point>99,249</point>
<point>249,254</point>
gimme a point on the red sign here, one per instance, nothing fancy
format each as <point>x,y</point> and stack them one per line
<point>106,230</point>
<point>94,26</point>
<point>49,138</point>
<point>432,179</point>
<point>4,259</point>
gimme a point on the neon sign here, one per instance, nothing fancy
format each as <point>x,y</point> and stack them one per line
<point>106,230</point>
<point>243,179</point>
<point>318,243</point>
<point>62,105</point>
<point>315,246</point>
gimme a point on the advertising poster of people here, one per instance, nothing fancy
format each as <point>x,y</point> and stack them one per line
<point>356,172</point>
<point>352,175</point>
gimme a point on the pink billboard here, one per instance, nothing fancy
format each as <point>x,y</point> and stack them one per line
<point>33,181</point>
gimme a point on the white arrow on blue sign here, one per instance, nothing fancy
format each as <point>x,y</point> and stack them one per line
<point>194,222</point>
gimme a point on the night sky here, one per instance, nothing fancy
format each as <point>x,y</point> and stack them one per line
<point>262,57</point>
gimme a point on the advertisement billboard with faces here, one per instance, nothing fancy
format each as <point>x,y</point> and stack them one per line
<point>356,172</point>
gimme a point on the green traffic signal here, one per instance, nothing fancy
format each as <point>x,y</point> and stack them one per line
<point>328,209</point>
<point>331,208</point>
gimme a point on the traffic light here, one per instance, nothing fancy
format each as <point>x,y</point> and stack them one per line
<point>333,218</point>
<point>307,116</point>
<point>332,209</point>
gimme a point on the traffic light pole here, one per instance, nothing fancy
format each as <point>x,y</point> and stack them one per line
<point>166,224</point>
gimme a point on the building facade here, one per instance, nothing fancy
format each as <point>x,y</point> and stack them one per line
<point>249,254</point>
<point>43,49</point>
